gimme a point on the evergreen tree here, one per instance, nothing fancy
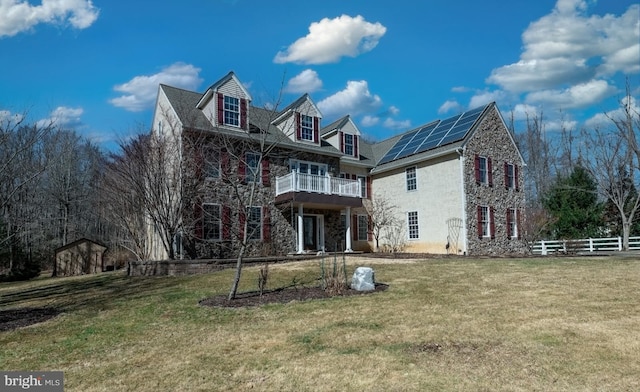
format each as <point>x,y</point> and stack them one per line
<point>573,202</point>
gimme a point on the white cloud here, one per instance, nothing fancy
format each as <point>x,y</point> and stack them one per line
<point>140,92</point>
<point>306,81</point>
<point>331,39</point>
<point>355,99</point>
<point>578,96</point>
<point>484,97</point>
<point>8,120</point>
<point>604,120</point>
<point>63,117</point>
<point>369,121</point>
<point>18,16</point>
<point>449,106</point>
<point>567,47</point>
<point>396,124</point>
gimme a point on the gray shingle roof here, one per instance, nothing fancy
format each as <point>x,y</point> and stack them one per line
<point>184,104</point>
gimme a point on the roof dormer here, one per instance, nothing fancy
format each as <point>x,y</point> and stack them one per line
<point>344,135</point>
<point>226,103</point>
<point>301,121</point>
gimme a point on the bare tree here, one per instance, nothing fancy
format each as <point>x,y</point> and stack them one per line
<point>21,166</point>
<point>613,160</point>
<point>382,213</point>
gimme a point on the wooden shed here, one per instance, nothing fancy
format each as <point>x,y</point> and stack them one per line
<point>79,257</point>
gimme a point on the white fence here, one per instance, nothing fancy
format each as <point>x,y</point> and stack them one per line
<point>612,244</point>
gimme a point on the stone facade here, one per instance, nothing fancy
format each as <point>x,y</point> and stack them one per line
<point>222,190</point>
<point>492,140</point>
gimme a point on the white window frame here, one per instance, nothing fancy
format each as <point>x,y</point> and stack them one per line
<point>363,227</point>
<point>253,173</point>
<point>511,176</point>
<point>411,176</point>
<point>306,127</point>
<point>363,186</point>
<point>485,221</point>
<point>348,144</point>
<point>294,165</point>
<point>483,168</point>
<point>413,225</point>
<point>209,218</point>
<point>212,167</point>
<point>513,223</point>
<point>231,111</point>
<point>254,233</point>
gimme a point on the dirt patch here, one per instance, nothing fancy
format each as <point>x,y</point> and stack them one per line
<point>282,296</point>
<point>18,318</point>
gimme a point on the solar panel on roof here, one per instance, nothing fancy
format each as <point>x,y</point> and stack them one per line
<point>434,135</point>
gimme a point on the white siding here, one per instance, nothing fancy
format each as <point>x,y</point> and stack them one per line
<point>438,197</point>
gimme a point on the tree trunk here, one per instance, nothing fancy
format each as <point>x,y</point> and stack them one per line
<point>626,229</point>
<point>236,278</point>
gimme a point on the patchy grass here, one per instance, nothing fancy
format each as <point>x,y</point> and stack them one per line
<point>452,324</point>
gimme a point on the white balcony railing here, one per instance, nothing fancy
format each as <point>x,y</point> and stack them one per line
<point>298,182</point>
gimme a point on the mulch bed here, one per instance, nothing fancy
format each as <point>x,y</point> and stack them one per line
<point>281,296</point>
<point>18,318</point>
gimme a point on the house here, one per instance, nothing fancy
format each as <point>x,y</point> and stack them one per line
<point>296,185</point>
<point>79,257</point>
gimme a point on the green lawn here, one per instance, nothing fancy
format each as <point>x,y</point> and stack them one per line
<point>450,324</point>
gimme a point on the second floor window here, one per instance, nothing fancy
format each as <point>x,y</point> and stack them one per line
<point>306,127</point>
<point>412,183</point>
<point>483,170</point>
<point>231,111</point>
<point>253,173</point>
<point>254,223</point>
<point>212,163</point>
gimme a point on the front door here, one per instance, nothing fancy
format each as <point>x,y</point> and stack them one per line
<point>310,232</point>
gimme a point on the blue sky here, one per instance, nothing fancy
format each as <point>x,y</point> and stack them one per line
<point>95,66</point>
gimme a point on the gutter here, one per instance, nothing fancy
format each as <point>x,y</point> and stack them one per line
<point>414,159</point>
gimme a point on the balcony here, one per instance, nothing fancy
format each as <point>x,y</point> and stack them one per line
<point>298,182</point>
<point>318,189</point>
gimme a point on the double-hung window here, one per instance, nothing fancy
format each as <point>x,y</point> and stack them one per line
<point>412,183</point>
<point>212,163</point>
<point>231,111</point>
<point>212,222</point>
<point>483,172</point>
<point>254,223</point>
<point>363,225</point>
<point>253,172</point>
<point>511,176</point>
<point>486,222</point>
<point>348,144</point>
<point>412,225</point>
<point>306,127</point>
<point>512,223</point>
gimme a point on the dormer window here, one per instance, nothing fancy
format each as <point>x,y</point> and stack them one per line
<point>231,111</point>
<point>348,144</point>
<point>306,127</point>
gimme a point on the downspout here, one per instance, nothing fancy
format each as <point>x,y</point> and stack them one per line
<point>463,197</point>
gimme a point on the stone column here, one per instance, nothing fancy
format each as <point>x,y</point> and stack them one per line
<point>348,231</point>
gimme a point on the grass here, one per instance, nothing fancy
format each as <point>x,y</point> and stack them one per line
<point>545,324</point>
